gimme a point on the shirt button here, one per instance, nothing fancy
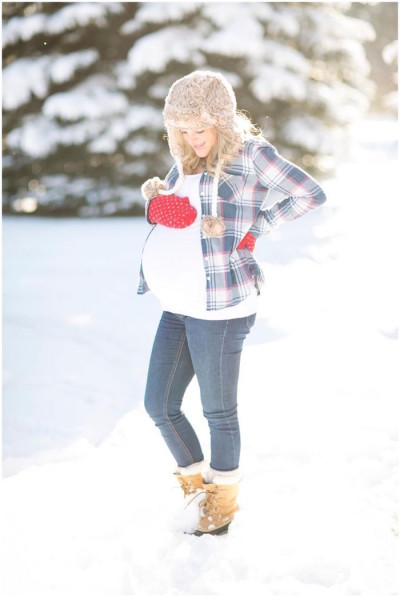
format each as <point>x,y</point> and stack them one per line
<point>208,278</point>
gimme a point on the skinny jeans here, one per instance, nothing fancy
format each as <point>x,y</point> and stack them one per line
<point>183,347</point>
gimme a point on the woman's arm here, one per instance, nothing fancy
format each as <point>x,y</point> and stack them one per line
<point>301,191</point>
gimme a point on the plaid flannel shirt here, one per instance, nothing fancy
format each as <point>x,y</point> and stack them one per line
<point>232,274</point>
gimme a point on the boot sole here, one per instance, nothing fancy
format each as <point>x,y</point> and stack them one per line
<point>220,531</point>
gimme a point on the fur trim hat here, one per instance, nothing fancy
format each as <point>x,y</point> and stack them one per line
<point>201,99</point>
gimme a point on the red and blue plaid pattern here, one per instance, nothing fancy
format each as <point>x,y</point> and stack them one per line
<point>242,192</point>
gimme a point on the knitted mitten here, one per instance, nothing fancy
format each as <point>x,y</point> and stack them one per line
<point>171,211</point>
<point>247,241</point>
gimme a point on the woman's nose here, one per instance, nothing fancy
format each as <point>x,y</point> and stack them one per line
<point>193,137</point>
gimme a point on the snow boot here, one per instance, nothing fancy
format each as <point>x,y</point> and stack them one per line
<point>190,478</point>
<point>218,507</point>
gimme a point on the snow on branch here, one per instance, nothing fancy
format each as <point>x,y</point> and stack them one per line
<point>237,37</point>
<point>77,14</point>
<point>154,51</point>
<point>92,99</point>
<point>390,52</point>
<point>274,82</point>
<point>160,13</point>
<point>308,132</point>
<point>33,76</point>
<point>39,136</point>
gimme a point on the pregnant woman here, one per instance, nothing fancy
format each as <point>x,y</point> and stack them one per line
<point>198,261</point>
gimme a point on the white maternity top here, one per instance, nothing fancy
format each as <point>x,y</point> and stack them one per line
<point>173,266</point>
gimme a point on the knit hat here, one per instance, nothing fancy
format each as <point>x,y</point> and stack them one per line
<point>201,99</point>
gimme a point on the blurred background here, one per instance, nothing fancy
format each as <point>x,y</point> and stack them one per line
<point>84,86</point>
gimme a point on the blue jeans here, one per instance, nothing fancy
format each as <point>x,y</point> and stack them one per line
<point>211,350</point>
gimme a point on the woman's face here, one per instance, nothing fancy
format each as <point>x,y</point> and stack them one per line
<point>202,140</point>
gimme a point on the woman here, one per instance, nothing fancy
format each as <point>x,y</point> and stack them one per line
<point>198,261</point>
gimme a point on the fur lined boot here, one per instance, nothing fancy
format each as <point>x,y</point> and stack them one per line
<point>218,507</point>
<point>190,478</point>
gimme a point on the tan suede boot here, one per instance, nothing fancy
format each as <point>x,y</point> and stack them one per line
<point>218,507</point>
<point>190,478</point>
<point>190,483</point>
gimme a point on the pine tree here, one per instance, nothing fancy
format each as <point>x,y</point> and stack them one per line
<point>382,53</point>
<point>84,86</point>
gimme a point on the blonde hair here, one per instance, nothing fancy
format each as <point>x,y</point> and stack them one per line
<point>229,142</point>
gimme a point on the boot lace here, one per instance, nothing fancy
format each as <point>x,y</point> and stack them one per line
<point>188,488</point>
<point>209,504</point>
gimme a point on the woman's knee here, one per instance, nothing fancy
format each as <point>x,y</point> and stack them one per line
<point>222,418</point>
<point>153,406</point>
<point>158,410</point>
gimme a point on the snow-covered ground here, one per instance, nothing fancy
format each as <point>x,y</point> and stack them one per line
<point>90,506</point>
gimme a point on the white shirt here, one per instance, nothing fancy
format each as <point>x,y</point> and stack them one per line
<point>174,270</point>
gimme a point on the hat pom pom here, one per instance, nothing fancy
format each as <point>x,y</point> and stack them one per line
<point>151,187</point>
<point>213,226</point>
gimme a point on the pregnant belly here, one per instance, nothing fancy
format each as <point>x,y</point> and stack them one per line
<point>173,265</point>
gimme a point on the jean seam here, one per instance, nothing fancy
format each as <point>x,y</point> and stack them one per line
<point>221,388</point>
<point>167,394</point>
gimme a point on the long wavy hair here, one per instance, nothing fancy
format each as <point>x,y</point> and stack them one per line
<point>229,142</point>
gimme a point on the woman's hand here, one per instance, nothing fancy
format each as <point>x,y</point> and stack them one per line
<point>151,188</point>
<point>248,242</point>
<point>171,211</point>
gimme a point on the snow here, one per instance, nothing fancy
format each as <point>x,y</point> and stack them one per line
<point>22,28</point>
<point>340,101</point>
<point>271,82</point>
<point>18,86</point>
<point>64,67</point>
<point>309,132</point>
<point>353,27</point>
<point>349,52</point>
<point>328,25</point>
<point>283,55</point>
<point>143,117</point>
<point>33,76</point>
<point>103,144</point>
<point>91,99</point>
<point>222,14</point>
<point>283,21</point>
<point>239,32</point>
<point>81,14</point>
<point>65,19</point>
<point>159,12</point>
<point>390,52</point>
<point>141,145</point>
<point>154,51</point>
<point>239,36</point>
<point>90,506</point>
<point>38,136</point>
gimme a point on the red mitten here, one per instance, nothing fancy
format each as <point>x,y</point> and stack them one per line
<point>171,211</point>
<point>247,241</point>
